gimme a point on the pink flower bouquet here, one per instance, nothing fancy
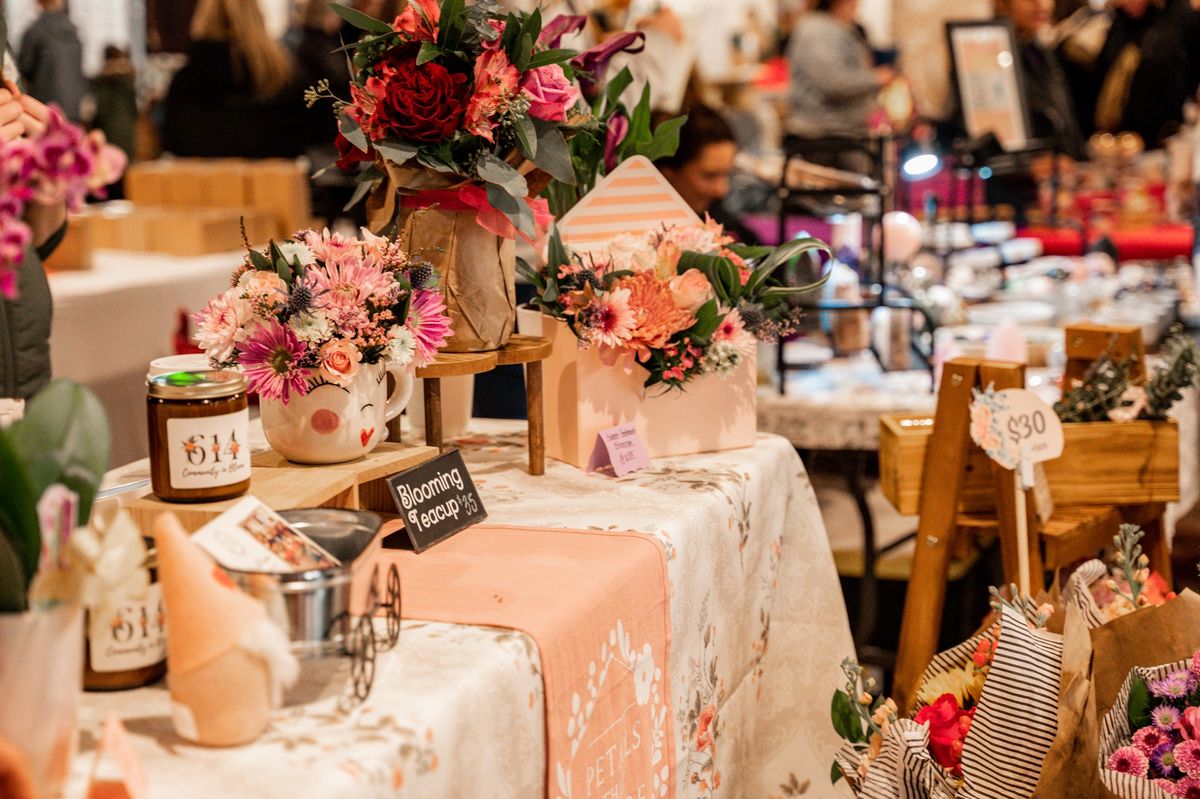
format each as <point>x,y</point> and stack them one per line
<point>61,164</point>
<point>325,303</point>
<point>684,301</point>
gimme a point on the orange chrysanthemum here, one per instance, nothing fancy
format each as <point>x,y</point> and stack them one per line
<point>656,317</point>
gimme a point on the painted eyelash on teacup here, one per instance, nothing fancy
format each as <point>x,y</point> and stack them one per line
<point>316,382</point>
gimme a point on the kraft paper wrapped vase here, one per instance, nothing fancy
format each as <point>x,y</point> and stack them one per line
<point>227,663</point>
<point>583,396</point>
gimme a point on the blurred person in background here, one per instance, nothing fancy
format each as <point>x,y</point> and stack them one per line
<point>1047,94</point>
<point>701,168</point>
<point>1149,66</point>
<point>115,97</point>
<point>834,85</point>
<point>51,60</point>
<point>239,93</point>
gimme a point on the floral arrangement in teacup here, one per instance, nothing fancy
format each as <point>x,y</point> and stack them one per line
<point>683,301</point>
<point>61,163</point>
<point>56,548</point>
<point>318,308</point>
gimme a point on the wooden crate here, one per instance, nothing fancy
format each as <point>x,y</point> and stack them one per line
<point>74,253</point>
<point>282,485</point>
<point>1103,463</point>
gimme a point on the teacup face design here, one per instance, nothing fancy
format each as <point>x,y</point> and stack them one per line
<point>331,423</point>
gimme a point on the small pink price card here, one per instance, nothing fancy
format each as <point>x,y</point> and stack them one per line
<point>621,448</point>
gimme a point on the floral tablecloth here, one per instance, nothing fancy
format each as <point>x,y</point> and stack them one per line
<point>758,631</point>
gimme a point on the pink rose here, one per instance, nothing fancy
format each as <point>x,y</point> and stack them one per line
<point>690,290</point>
<point>1189,723</point>
<point>550,94</point>
<point>339,361</point>
<point>419,20</point>
<point>495,87</point>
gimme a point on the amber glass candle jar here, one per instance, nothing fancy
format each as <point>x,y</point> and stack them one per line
<point>199,425</point>
<point>126,645</point>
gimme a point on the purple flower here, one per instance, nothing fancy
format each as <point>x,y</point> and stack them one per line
<point>1174,686</point>
<point>593,62</point>
<point>1163,762</point>
<point>562,25</point>
<point>1187,757</point>
<point>1164,717</point>
<point>1128,760</point>
<point>618,128</point>
<point>1151,739</point>
<point>271,359</point>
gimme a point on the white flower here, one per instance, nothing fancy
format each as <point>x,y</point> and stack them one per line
<point>722,357</point>
<point>403,346</point>
<point>222,324</point>
<point>643,675</point>
<point>311,326</point>
<point>293,249</point>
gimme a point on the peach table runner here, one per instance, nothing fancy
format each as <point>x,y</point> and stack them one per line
<point>596,604</point>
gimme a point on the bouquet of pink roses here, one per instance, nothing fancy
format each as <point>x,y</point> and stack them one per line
<point>325,303</point>
<point>62,163</point>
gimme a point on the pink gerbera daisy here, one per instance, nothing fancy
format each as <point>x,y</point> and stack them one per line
<point>1129,760</point>
<point>429,325</point>
<point>1187,757</point>
<point>347,280</point>
<point>271,360</point>
<point>1149,739</point>
<point>609,320</point>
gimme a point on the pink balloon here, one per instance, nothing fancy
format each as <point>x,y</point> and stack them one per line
<point>901,236</point>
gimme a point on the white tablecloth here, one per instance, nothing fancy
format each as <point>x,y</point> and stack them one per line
<point>110,322</point>
<point>758,632</point>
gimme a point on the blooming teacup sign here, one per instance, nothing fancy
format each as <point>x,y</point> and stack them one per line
<point>1017,429</point>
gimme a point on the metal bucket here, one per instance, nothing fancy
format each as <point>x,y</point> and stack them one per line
<point>314,606</point>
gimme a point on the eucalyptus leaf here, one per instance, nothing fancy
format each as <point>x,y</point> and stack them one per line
<point>526,135</point>
<point>396,152</point>
<point>363,188</point>
<point>502,174</point>
<point>353,132</point>
<point>517,210</point>
<point>428,52</point>
<point>553,154</point>
<point>360,20</point>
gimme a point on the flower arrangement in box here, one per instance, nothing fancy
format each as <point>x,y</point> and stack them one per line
<point>465,114</point>
<point>683,301</point>
<point>62,163</point>
<point>58,555</point>
<point>315,322</point>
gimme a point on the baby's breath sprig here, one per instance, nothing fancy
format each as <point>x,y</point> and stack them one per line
<point>314,94</point>
<point>1134,565</point>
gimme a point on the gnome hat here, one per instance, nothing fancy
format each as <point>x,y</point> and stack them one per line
<point>222,679</point>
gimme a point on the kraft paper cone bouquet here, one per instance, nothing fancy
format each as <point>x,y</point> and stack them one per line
<point>227,663</point>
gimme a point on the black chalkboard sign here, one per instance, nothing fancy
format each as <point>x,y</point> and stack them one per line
<point>436,500</point>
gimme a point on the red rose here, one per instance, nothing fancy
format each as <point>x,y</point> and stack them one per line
<point>350,156</point>
<point>420,104</point>
<point>946,731</point>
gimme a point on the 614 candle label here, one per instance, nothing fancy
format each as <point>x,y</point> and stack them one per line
<point>131,636</point>
<point>210,451</point>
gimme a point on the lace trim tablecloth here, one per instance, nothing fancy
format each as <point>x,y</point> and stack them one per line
<point>758,632</point>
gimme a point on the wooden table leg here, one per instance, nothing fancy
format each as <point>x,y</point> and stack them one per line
<point>433,412</point>
<point>537,420</point>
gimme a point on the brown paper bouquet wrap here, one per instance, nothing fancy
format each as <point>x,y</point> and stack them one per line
<point>478,265</point>
<point>227,663</point>
<point>1098,655</point>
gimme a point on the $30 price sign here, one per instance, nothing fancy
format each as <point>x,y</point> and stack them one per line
<point>1015,426</point>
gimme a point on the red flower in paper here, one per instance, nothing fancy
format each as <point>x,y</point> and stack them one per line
<point>946,731</point>
<point>350,156</point>
<point>419,20</point>
<point>495,87</point>
<point>421,104</point>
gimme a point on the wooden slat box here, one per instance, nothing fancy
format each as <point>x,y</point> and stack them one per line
<point>1103,463</point>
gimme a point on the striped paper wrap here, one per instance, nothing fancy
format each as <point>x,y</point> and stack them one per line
<point>632,199</point>
<point>1115,733</point>
<point>1078,591</point>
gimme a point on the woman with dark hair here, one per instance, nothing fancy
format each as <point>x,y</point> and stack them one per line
<point>834,86</point>
<point>702,165</point>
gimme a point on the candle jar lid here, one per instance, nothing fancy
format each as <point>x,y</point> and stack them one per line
<point>214,384</point>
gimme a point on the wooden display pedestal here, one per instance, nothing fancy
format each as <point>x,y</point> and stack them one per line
<point>527,350</point>
<point>283,485</point>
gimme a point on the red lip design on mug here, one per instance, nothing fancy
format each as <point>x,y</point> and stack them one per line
<point>365,435</point>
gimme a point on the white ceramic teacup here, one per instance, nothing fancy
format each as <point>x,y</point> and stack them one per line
<point>332,423</point>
